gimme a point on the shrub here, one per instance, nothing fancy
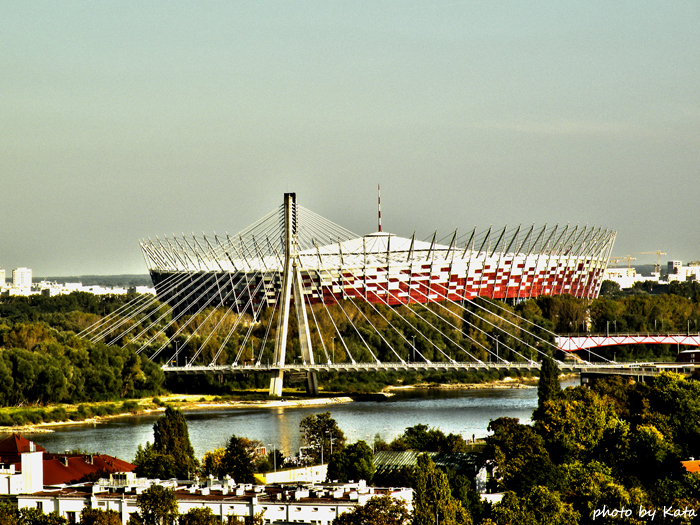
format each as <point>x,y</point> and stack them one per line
<point>58,414</point>
<point>130,406</point>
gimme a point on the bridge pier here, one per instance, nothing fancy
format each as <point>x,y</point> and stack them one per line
<point>292,285</point>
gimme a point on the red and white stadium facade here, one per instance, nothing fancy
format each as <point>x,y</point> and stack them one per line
<point>246,270</point>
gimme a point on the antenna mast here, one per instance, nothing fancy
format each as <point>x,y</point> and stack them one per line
<point>379,207</point>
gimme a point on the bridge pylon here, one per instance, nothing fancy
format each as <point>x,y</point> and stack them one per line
<point>292,285</point>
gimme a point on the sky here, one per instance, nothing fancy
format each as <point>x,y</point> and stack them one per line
<point>123,120</point>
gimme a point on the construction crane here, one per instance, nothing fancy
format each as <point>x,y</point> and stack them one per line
<point>657,266</point>
<point>627,258</point>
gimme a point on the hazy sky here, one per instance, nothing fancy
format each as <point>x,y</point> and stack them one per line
<point>124,120</point>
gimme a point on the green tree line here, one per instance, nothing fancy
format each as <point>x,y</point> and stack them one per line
<point>41,358</point>
<point>617,445</point>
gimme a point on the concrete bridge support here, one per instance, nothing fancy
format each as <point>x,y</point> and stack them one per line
<point>292,285</point>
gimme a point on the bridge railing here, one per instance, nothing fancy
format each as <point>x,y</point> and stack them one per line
<point>664,333</point>
<point>359,367</point>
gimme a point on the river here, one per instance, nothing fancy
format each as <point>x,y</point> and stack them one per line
<point>464,412</point>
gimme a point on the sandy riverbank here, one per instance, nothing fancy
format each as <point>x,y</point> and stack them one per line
<point>183,402</point>
<point>198,402</point>
<point>506,382</point>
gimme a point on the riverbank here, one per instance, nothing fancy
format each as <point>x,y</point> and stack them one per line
<point>145,407</point>
<point>505,383</point>
<point>193,402</point>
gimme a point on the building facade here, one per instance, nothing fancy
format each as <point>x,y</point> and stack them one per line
<point>678,272</point>
<point>22,278</point>
<point>310,504</point>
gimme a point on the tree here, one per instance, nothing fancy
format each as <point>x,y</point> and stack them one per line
<point>574,424</point>
<point>432,497</point>
<point>152,464</point>
<point>520,456</point>
<point>354,462</point>
<point>421,438</point>
<point>609,288</point>
<point>537,507</point>
<point>171,436</point>
<point>211,463</point>
<point>171,455</point>
<point>34,516</point>
<point>9,514</point>
<point>198,516</point>
<point>157,505</point>
<point>319,430</point>
<point>591,486</point>
<point>238,459</point>
<point>258,519</point>
<point>90,516</point>
<point>548,386</point>
<point>380,510</point>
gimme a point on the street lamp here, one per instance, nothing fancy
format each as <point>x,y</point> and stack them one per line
<point>330,438</point>
<point>414,349</point>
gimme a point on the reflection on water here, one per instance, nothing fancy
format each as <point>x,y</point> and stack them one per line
<point>465,412</point>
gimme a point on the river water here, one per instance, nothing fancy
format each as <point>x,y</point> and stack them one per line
<point>464,412</point>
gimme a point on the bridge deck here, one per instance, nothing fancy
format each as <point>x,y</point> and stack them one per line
<point>384,367</point>
<point>583,342</point>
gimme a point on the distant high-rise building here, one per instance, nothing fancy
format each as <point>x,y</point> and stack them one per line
<point>22,278</point>
<point>674,267</point>
<point>2,278</point>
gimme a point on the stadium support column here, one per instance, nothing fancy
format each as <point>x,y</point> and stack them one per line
<point>291,285</point>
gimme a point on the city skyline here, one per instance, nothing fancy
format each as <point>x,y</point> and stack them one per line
<point>127,120</point>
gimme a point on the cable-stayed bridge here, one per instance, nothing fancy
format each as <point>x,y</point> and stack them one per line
<point>359,303</point>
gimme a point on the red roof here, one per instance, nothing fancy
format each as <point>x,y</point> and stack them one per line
<point>61,468</point>
<point>67,468</point>
<point>691,466</point>
<point>12,446</point>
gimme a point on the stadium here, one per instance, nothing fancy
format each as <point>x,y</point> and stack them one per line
<point>245,271</point>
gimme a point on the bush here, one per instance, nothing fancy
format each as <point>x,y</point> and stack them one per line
<point>130,406</point>
<point>18,419</point>
<point>58,414</point>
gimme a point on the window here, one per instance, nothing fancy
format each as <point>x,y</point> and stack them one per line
<point>70,515</point>
<point>40,505</point>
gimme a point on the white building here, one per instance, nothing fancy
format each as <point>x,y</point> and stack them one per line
<point>30,477</point>
<point>22,278</point>
<point>626,277</point>
<point>51,289</point>
<point>2,278</point>
<point>311,504</point>
<point>678,272</point>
